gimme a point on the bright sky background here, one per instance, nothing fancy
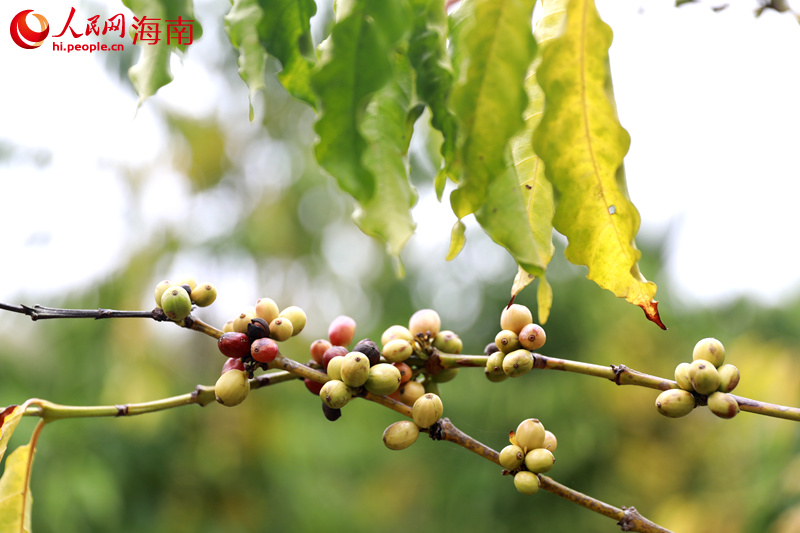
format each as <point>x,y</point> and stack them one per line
<point>710,100</point>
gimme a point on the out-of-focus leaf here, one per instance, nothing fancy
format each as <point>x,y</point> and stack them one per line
<point>583,144</point>
<point>537,191</point>
<point>241,24</point>
<point>457,240</point>
<point>427,52</point>
<point>152,70</point>
<point>355,63</point>
<point>207,161</point>
<point>386,215</point>
<point>493,49</point>
<point>16,499</point>
<point>505,218</point>
<point>285,32</point>
<point>9,419</point>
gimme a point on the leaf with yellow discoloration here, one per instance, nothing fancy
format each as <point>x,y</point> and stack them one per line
<point>16,500</point>
<point>583,144</point>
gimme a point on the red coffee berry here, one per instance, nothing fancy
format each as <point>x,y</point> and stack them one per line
<point>234,344</point>
<point>264,350</point>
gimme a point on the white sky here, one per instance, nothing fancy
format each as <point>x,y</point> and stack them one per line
<point>710,100</point>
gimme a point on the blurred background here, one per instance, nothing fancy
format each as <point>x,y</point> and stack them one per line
<point>99,201</point>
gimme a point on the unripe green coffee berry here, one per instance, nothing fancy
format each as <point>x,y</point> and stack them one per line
<point>160,288</point>
<point>675,403</point>
<point>281,329</point>
<point>515,317</point>
<point>383,379</point>
<point>176,303</point>
<point>495,377</point>
<point>241,322</point>
<point>397,350</point>
<point>448,374</point>
<point>425,322</point>
<point>427,410</point>
<point>526,482</point>
<point>507,341</point>
<point>532,337</point>
<point>530,434</point>
<point>682,376</point>
<point>335,394</point>
<point>511,457</point>
<point>723,405</point>
<point>334,369</point>
<point>704,376</point>
<point>710,350</point>
<point>518,363</point>
<point>494,364</point>
<point>729,377</point>
<point>448,342</point>
<point>267,309</point>
<point>228,327</point>
<point>550,441</point>
<point>296,316</point>
<point>204,294</point>
<point>539,460</point>
<point>396,332</point>
<point>400,435</point>
<point>411,391</point>
<point>232,387</point>
<point>355,369</point>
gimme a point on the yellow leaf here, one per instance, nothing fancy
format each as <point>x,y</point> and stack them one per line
<point>15,488</point>
<point>583,144</point>
<point>9,419</point>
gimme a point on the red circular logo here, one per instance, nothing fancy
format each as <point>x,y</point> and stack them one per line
<point>23,35</point>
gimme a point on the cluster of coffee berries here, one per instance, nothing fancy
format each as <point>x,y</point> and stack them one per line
<point>351,372</point>
<point>176,299</point>
<point>423,334</point>
<point>425,412</point>
<point>510,353</point>
<point>530,453</point>
<point>250,341</point>
<point>706,380</point>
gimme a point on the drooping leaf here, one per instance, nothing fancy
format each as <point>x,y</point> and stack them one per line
<point>387,131</point>
<point>505,218</point>
<point>492,48</point>
<point>427,52</point>
<point>537,191</point>
<point>354,64</point>
<point>152,70</point>
<point>241,24</point>
<point>457,239</point>
<point>285,32</point>
<point>583,144</point>
<point>16,499</point>
<point>9,418</point>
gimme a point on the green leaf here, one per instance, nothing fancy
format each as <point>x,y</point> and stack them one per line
<point>504,217</point>
<point>583,145</point>
<point>457,240</point>
<point>428,54</point>
<point>386,128</point>
<point>285,32</point>
<point>9,419</point>
<point>152,70</point>
<point>241,24</point>
<point>493,48</point>
<point>16,499</point>
<point>355,63</point>
<point>537,191</point>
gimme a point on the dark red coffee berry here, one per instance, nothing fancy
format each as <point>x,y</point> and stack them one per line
<point>233,344</point>
<point>370,349</point>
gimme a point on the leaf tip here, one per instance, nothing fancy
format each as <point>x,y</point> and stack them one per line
<point>651,312</point>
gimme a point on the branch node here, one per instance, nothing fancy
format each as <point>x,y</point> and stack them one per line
<point>436,431</point>
<point>122,410</point>
<point>618,371</point>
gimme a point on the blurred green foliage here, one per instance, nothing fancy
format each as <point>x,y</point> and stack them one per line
<point>261,221</point>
